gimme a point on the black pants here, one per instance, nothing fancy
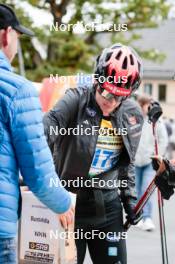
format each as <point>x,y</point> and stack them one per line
<point>108,250</point>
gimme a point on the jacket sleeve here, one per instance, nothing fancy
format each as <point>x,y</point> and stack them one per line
<point>60,117</point>
<point>32,152</point>
<point>128,174</point>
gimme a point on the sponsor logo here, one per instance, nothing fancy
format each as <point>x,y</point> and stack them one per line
<point>112,238</point>
<point>136,134</point>
<point>40,219</point>
<point>38,246</point>
<point>135,126</point>
<point>112,251</point>
<point>40,234</point>
<point>90,112</point>
<point>132,120</point>
<point>86,122</point>
<point>39,206</point>
<point>39,257</point>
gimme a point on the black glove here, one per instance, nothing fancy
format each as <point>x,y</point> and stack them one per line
<point>170,167</point>
<point>129,206</point>
<point>155,163</point>
<point>171,170</point>
<point>154,111</point>
<point>165,181</point>
<point>162,183</point>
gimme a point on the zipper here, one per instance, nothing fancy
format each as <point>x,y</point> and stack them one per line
<point>93,152</point>
<point>115,125</point>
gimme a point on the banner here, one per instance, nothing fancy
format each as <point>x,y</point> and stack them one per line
<point>52,89</point>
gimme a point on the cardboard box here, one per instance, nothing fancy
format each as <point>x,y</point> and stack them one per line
<point>39,235</point>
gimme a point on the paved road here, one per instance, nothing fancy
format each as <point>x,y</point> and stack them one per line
<point>144,247</point>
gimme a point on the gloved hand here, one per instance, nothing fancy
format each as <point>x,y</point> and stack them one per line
<point>129,206</point>
<point>166,178</point>
<point>162,183</point>
<point>154,111</point>
<point>156,161</point>
<point>170,166</point>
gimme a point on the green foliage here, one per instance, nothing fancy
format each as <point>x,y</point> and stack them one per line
<point>68,52</point>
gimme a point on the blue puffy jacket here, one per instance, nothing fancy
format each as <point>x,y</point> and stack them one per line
<point>23,148</point>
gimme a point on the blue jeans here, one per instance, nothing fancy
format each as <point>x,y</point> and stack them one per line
<point>8,251</point>
<point>144,176</point>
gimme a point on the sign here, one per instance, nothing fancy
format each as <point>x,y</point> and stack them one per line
<point>39,235</point>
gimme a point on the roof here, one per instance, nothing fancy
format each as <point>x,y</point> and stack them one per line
<point>162,39</point>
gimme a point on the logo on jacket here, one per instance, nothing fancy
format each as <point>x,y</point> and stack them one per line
<point>112,251</point>
<point>90,112</point>
<point>113,238</point>
<point>132,120</point>
<point>86,122</point>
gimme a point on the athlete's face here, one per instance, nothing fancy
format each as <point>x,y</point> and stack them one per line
<point>107,106</point>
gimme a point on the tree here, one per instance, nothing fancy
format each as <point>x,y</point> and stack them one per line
<point>68,52</point>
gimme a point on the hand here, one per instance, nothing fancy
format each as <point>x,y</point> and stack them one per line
<point>170,167</point>
<point>154,111</point>
<point>24,188</point>
<point>67,218</point>
<point>129,206</point>
<point>165,180</point>
<point>161,182</point>
<point>156,161</point>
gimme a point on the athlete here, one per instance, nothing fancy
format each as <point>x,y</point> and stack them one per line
<point>101,156</point>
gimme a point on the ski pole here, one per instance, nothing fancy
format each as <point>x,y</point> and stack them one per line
<point>154,112</point>
<point>145,197</point>
<point>161,211</point>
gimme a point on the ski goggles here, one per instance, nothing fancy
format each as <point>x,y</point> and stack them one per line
<point>109,96</point>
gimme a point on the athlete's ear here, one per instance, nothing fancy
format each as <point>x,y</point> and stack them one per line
<point>4,36</point>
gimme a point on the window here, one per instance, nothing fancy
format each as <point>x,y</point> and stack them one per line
<point>162,92</point>
<point>148,88</point>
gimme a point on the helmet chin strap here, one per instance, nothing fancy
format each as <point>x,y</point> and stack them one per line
<point>124,98</point>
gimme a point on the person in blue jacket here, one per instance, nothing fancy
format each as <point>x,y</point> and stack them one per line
<point>23,147</point>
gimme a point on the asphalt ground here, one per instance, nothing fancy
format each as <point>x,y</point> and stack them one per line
<point>145,247</point>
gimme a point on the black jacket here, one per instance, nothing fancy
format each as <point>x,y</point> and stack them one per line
<point>73,154</point>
